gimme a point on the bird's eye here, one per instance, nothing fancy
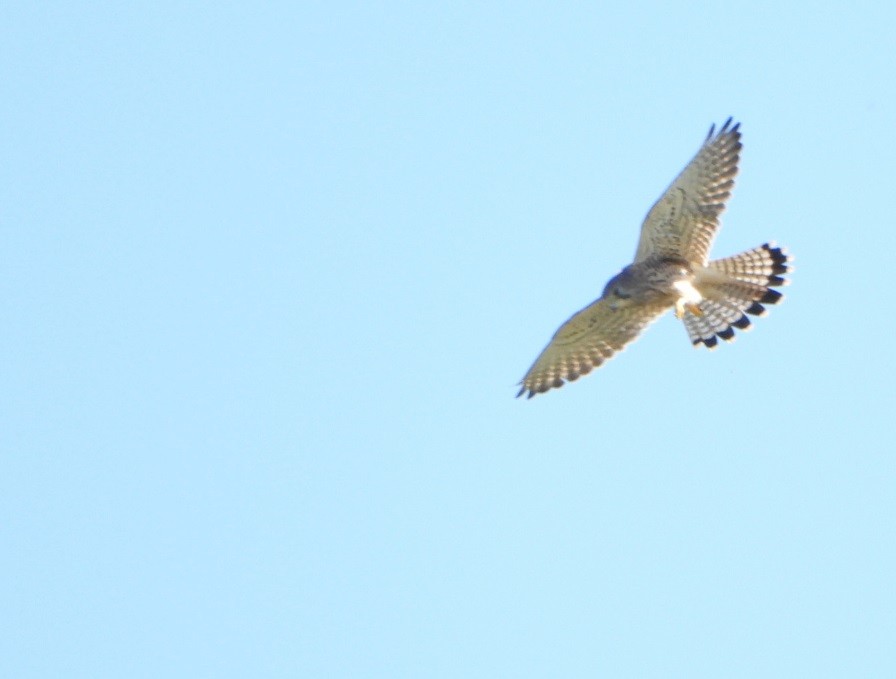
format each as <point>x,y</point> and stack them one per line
<point>619,293</point>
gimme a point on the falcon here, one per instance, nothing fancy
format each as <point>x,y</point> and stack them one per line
<point>672,271</point>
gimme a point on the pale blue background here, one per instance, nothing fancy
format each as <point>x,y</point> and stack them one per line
<point>270,274</point>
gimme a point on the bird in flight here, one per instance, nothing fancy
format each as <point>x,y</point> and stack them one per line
<point>672,271</point>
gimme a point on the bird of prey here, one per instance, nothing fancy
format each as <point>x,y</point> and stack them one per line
<point>672,271</point>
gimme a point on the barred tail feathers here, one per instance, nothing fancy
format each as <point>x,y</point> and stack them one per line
<point>733,288</point>
<point>764,265</point>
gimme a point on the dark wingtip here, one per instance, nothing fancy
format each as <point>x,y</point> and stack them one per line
<point>743,323</point>
<point>727,128</point>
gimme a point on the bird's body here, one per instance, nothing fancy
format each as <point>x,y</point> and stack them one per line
<point>649,281</point>
<point>671,271</point>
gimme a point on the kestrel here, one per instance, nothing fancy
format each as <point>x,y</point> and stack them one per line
<point>671,270</point>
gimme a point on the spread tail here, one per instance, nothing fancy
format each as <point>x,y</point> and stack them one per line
<point>733,288</point>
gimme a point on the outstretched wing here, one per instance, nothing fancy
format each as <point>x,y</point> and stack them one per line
<point>588,339</point>
<point>683,222</point>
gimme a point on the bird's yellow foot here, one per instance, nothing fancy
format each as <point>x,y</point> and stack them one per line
<point>681,306</point>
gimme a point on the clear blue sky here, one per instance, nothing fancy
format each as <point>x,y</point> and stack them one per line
<point>271,272</point>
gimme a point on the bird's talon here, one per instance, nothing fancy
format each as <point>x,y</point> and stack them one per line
<point>681,307</point>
